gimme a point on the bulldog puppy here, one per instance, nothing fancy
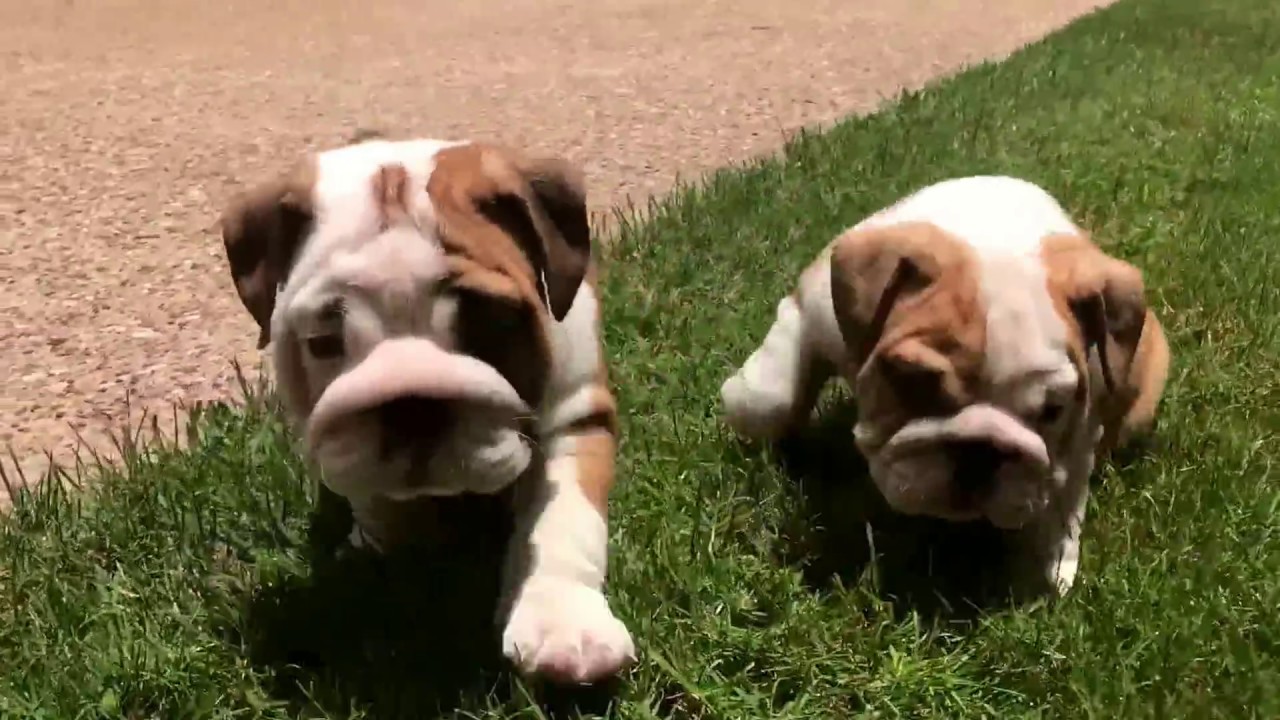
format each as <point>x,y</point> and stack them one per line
<point>436,332</point>
<point>993,351</point>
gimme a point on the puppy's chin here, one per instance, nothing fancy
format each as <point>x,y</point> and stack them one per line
<point>915,485</point>
<point>916,476</point>
<point>473,458</point>
<point>476,459</point>
<point>922,484</point>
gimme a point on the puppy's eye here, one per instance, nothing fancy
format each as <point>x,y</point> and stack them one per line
<point>1050,413</point>
<point>325,347</point>
<point>494,314</point>
<point>919,389</point>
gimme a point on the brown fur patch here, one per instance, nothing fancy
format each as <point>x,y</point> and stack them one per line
<point>502,316</point>
<point>1102,300</point>
<point>539,204</point>
<point>262,232</point>
<point>906,298</point>
<point>597,431</point>
<point>519,243</point>
<point>391,194</point>
<point>595,452</point>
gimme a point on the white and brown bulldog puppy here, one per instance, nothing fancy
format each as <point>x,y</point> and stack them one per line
<point>993,351</point>
<point>436,332</point>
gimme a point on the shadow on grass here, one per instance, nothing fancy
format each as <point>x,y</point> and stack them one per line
<point>947,571</point>
<point>408,635</point>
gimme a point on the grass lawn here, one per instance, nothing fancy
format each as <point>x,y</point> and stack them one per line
<point>193,584</point>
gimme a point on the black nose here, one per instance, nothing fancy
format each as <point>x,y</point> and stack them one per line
<point>415,422</point>
<point>975,463</point>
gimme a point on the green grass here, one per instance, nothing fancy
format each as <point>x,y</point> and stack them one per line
<point>183,585</point>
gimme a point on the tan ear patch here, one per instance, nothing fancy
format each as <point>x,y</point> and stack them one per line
<point>907,300</point>
<point>391,194</point>
<point>262,232</point>
<point>502,317</point>
<point>493,200</point>
<point>908,280</point>
<point>1102,300</point>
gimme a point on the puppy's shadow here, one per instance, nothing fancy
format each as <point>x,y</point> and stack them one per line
<point>846,530</point>
<point>411,634</point>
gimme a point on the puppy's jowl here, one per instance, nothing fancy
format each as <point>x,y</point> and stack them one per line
<point>436,332</point>
<point>993,351</point>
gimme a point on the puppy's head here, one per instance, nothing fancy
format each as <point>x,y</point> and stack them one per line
<point>409,288</point>
<point>979,373</point>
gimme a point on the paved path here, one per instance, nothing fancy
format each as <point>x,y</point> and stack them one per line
<point>125,125</point>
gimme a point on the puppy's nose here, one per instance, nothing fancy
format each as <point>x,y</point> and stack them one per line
<point>413,421</point>
<point>975,463</point>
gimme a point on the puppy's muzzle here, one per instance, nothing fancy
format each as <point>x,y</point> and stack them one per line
<point>414,422</point>
<point>975,466</point>
<point>410,382</point>
<point>981,435</point>
<point>980,461</point>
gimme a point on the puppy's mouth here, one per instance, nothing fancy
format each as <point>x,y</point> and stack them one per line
<point>413,425</point>
<point>409,381</point>
<point>978,463</point>
<point>414,419</point>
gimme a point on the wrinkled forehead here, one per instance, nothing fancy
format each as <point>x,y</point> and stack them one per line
<point>345,196</point>
<point>1028,340</point>
<point>374,227</point>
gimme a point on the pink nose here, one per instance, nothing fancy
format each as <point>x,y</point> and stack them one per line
<point>411,367</point>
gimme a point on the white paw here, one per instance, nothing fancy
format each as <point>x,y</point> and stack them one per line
<point>1050,571</point>
<point>361,540</point>
<point>564,631</point>
<point>754,411</point>
<point>1062,574</point>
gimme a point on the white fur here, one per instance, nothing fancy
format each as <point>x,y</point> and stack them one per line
<point>779,382</point>
<point>560,622</point>
<point>1004,220</point>
<point>761,398</point>
<point>575,360</point>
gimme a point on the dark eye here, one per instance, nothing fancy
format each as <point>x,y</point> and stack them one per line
<point>496,318</point>
<point>1050,413</point>
<point>329,345</point>
<point>502,333</point>
<point>325,347</point>
<point>920,389</point>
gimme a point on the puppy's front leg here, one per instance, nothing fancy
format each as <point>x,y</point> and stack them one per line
<point>777,387</point>
<point>1051,546</point>
<point>559,624</point>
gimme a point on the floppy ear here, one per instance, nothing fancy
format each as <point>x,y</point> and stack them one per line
<point>872,271</point>
<point>1106,296</point>
<point>542,205</point>
<point>565,234</point>
<point>262,231</point>
<point>1112,316</point>
<point>539,204</point>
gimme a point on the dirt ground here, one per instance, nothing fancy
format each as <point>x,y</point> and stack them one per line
<point>126,124</point>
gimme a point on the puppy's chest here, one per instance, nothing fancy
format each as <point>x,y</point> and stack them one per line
<point>444,524</point>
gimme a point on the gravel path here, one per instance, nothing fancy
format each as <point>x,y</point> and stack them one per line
<point>126,124</point>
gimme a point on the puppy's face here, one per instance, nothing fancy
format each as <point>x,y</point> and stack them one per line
<point>416,284</point>
<point>973,369</point>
